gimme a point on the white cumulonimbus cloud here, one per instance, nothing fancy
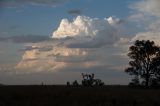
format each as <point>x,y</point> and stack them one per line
<point>80,43</point>
<point>84,26</point>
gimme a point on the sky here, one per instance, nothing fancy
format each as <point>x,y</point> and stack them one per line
<point>54,41</point>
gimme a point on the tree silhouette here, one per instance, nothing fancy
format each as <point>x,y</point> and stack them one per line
<point>75,83</point>
<point>89,80</point>
<point>68,83</point>
<point>135,82</point>
<point>145,61</point>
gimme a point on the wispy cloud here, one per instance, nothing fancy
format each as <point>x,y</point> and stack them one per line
<point>147,7</point>
<point>21,3</point>
<point>25,38</point>
<point>75,12</point>
<point>147,14</point>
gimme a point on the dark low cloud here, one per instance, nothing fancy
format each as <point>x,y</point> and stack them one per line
<point>89,44</point>
<point>25,39</point>
<point>3,39</point>
<point>75,12</point>
<point>31,59</point>
<point>20,3</point>
<point>104,38</point>
<point>13,27</point>
<point>45,48</point>
<point>30,48</point>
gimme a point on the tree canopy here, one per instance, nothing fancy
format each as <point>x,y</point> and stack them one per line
<point>145,61</point>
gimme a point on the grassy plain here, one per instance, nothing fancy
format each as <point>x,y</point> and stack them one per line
<point>56,95</point>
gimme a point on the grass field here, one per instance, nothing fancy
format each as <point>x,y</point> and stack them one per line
<point>48,95</point>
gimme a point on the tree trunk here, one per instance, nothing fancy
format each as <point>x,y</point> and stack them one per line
<point>147,80</point>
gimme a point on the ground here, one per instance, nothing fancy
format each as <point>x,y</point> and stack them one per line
<point>56,95</point>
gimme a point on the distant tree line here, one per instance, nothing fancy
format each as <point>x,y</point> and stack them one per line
<point>87,81</point>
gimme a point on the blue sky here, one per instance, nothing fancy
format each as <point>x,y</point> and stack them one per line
<point>42,20</point>
<point>54,41</point>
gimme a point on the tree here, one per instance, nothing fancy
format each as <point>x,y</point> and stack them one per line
<point>90,81</point>
<point>68,83</point>
<point>145,61</point>
<point>135,82</point>
<point>75,83</point>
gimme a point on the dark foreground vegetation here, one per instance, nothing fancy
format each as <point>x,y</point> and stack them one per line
<point>50,95</point>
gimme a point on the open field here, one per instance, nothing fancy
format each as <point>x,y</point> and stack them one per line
<point>48,95</point>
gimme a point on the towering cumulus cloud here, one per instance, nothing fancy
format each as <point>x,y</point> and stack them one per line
<point>84,26</point>
<point>78,44</point>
